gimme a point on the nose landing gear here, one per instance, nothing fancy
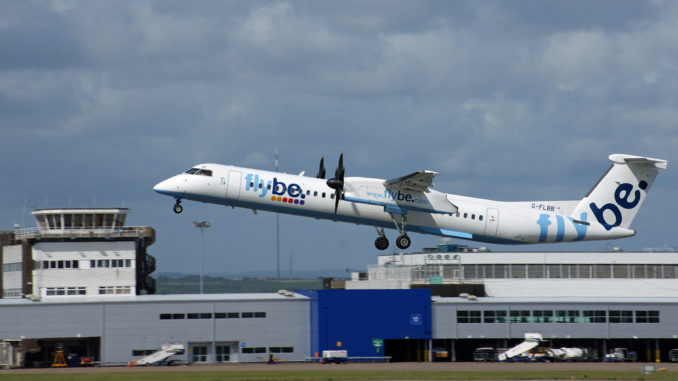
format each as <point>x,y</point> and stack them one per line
<point>177,207</point>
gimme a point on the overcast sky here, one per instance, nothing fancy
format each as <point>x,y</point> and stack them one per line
<point>510,100</point>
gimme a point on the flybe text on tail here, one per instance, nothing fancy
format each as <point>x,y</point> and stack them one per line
<point>621,197</point>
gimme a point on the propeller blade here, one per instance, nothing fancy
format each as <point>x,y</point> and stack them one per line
<point>339,172</point>
<point>321,169</point>
<point>337,194</point>
<point>337,182</point>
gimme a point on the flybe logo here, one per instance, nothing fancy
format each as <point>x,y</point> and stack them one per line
<point>280,192</point>
<point>580,226</point>
<point>621,196</point>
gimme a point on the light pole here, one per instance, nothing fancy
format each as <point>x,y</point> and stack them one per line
<point>202,225</point>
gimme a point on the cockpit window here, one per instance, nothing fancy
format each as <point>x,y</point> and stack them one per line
<point>198,171</point>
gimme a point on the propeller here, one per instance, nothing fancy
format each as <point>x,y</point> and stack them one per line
<point>321,170</point>
<point>337,182</point>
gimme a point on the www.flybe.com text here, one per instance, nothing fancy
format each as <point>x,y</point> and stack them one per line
<point>398,196</point>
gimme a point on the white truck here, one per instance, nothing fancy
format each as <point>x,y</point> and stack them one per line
<point>337,356</point>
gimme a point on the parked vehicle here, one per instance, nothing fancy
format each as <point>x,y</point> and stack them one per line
<point>338,356</point>
<point>621,355</point>
<point>485,354</point>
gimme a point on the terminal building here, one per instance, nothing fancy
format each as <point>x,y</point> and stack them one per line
<point>80,282</point>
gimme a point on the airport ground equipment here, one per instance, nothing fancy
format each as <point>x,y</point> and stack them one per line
<point>336,356</point>
<point>485,354</point>
<point>569,354</point>
<point>531,341</point>
<point>162,355</point>
<point>621,355</point>
<point>59,360</point>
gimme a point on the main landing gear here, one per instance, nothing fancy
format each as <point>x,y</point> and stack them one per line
<point>403,241</point>
<point>177,207</point>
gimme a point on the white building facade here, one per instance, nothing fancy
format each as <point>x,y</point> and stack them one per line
<point>77,252</point>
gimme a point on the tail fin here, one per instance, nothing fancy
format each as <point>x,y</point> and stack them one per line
<point>616,198</point>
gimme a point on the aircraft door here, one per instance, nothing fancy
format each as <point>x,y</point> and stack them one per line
<point>233,185</point>
<point>492,222</point>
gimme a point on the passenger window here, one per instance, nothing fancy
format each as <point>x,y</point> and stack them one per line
<point>315,194</point>
<point>480,218</point>
<point>323,194</point>
<point>332,195</point>
<point>465,215</point>
<point>473,216</point>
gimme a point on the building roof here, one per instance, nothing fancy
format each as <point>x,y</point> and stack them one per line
<point>156,298</point>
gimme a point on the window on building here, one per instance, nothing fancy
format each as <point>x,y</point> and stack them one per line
<point>223,353</point>
<point>468,316</point>
<point>494,316</point>
<point>253,350</point>
<point>142,352</point>
<point>521,316</point>
<point>597,316</point>
<point>621,316</point>
<point>165,316</point>
<point>12,293</point>
<point>647,316</point>
<point>535,271</point>
<point>542,316</point>
<point>200,353</point>
<point>567,316</point>
<point>11,267</point>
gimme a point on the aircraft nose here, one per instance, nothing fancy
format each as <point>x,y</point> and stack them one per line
<point>164,187</point>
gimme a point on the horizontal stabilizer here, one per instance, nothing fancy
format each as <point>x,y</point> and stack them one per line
<point>630,159</point>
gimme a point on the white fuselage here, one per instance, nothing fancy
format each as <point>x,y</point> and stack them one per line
<point>368,201</point>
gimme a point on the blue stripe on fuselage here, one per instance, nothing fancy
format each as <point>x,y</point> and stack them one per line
<point>302,211</point>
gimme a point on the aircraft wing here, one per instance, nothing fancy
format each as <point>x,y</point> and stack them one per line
<point>418,181</point>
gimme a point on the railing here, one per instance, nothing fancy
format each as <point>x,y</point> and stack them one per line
<point>476,273</point>
<point>117,232</point>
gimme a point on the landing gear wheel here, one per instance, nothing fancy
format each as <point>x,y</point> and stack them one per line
<point>381,243</point>
<point>403,241</point>
<point>178,208</point>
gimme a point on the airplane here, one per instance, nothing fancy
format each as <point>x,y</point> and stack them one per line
<point>408,204</point>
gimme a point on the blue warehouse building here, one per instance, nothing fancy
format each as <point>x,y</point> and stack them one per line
<point>369,322</point>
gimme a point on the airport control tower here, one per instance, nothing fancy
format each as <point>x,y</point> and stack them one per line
<point>77,252</point>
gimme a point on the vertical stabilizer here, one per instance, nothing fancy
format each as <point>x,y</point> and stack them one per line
<point>616,198</point>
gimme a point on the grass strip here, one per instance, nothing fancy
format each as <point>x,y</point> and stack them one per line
<point>340,375</point>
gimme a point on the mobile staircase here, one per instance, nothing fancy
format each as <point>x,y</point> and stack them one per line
<point>162,355</point>
<point>531,340</point>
